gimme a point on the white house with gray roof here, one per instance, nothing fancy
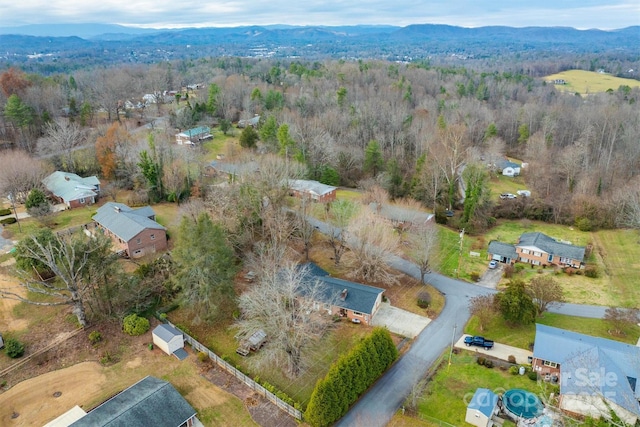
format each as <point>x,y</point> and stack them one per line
<point>134,232</point>
<point>314,190</point>
<point>71,189</point>
<point>538,249</point>
<point>149,402</point>
<point>594,374</point>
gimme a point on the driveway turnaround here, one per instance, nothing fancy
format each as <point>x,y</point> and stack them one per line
<point>400,321</point>
<point>499,351</point>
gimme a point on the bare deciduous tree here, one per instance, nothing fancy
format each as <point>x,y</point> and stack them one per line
<point>67,258</point>
<point>62,137</point>
<point>544,290</point>
<point>484,308</point>
<point>424,239</point>
<point>20,173</point>
<point>337,216</point>
<point>620,318</point>
<point>372,242</point>
<point>284,303</point>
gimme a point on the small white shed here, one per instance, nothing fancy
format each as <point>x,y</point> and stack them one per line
<point>483,406</point>
<point>168,338</point>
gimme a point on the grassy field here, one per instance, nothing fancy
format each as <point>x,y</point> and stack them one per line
<point>503,184</point>
<point>584,82</point>
<point>524,336</point>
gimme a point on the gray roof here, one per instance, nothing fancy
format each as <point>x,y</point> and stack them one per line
<point>125,222</point>
<point>400,214</point>
<point>238,169</point>
<point>69,186</point>
<point>149,402</point>
<point>361,298</point>
<point>313,187</point>
<point>485,401</point>
<point>503,249</point>
<point>551,246</point>
<point>507,164</point>
<point>166,332</point>
<point>574,351</point>
<point>196,132</point>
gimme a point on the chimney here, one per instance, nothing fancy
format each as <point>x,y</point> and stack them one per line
<point>66,178</point>
<point>343,294</point>
<point>117,209</point>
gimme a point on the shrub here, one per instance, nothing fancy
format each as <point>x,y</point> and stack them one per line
<point>202,356</point>
<point>592,271</point>
<point>488,363</point>
<point>514,370</point>
<point>424,299</point>
<point>150,346</point>
<point>584,224</point>
<point>95,337</point>
<point>135,325</point>
<point>519,268</point>
<point>533,375</point>
<point>511,358</point>
<point>7,221</point>
<point>14,348</point>
<point>508,271</point>
<point>5,211</point>
<point>475,276</point>
<point>481,361</point>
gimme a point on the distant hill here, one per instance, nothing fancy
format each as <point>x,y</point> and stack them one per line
<point>109,44</point>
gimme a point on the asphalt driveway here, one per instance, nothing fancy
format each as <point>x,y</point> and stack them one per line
<point>400,321</point>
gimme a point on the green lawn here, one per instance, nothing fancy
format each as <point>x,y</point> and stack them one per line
<point>450,390</point>
<point>57,221</point>
<point>585,82</point>
<point>524,336</point>
<point>500,184</point>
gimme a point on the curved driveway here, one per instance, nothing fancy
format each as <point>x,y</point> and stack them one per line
<point>383,399</point>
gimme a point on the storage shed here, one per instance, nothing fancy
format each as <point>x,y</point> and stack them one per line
<point>482,408</point>
<point>170,340</point>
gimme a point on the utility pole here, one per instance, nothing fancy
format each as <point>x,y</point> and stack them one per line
<point>460,254</point>
<point>13,205</point>
<point>453,335</point>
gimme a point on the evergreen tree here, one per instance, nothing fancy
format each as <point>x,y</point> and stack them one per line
<point>373,160</point>
<point>515,304</point>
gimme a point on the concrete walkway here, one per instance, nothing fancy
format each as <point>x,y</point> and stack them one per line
<point>499,351</point>
<point>400,321</point>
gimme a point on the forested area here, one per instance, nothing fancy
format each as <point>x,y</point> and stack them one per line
<point>412,128</point>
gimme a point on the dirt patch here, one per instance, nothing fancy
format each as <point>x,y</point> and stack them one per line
<point>8,321</point>
<point>35,402</point>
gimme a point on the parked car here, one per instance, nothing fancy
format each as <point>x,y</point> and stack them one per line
<point>478,342</point>
<point>508,196</point>
<point>493,264</point>
<point>524,193</point>
<point>356,321</point>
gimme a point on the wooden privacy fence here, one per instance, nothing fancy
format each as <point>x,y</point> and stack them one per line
<point>296,413</point>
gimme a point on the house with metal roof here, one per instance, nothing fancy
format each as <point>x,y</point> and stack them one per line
<point>596,375</point>
<point>482,408</point>
<point>134,232</point>
<point>149,402</point>
<point>538,249</point>
<point>343,298</point>
<point>193,136</point>
<point>71,189</point>
<point>399,215</point>
<point>312,189</point>
<point>508,168</point>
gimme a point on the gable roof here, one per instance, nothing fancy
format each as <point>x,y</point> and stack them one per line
<point>166,332</point>
<point>69,186</point>
<point>503,249</point>
<point>485,401</point>
<point>313,187</point>
<point>195,131</point>
<point>359,297</point>
<point>125,222</point>
<point>551,246</point>
<point>575,351</point>
<point>238,169</point>
<point>505,163</point>
<point>149,402</point>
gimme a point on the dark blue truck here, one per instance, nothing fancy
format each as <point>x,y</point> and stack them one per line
<point>478,342</point>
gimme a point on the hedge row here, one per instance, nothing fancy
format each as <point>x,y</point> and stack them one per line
<point>349,377</point>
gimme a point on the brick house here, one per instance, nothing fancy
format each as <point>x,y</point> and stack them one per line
<point>595,375</point>
<point>314,190</point>
<point>134,232</point>
<point>72,190</point>
<point>538,249</point>
<point>149,402</point>
<point>346,299</point>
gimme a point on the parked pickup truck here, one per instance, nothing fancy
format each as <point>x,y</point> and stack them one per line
<point>478,342</point>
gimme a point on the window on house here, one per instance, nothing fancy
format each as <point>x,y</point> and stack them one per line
<point>153,237</point>
<point>565,260</point>
<point>137,252</point>
<point>550,258</point>
<point>357,313</point>
<point>537,253</point>
<point>138,241</point>
<point>525,251</point>
<point>82,200</point>
<point>550,364</point>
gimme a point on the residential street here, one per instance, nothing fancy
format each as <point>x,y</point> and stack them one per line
<point>385,397</point>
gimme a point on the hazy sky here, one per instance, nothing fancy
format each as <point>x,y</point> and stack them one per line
<point>582,14</point>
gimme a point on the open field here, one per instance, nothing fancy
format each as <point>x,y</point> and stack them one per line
<point>584,82</point>
<point>523,336</point>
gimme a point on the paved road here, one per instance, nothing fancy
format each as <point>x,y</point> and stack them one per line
<point>384,398</point>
